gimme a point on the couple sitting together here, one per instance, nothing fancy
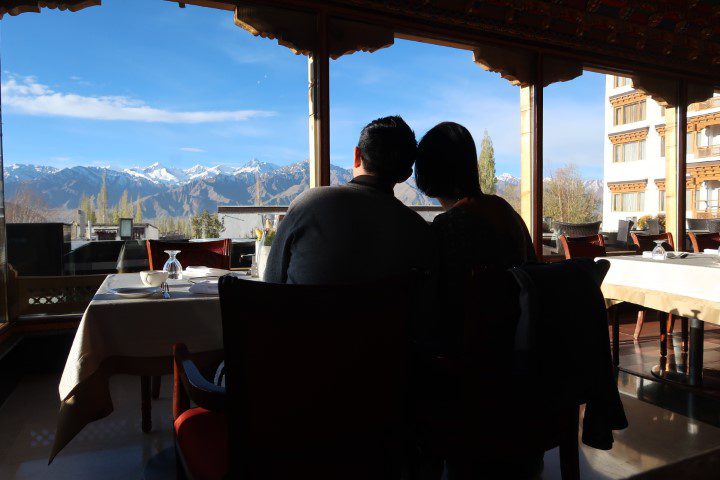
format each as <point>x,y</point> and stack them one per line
<point>360,232</point>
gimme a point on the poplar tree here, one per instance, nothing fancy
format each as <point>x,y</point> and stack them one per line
<point>486,166</point>
<point>102,199</point>
<point>138,209</point>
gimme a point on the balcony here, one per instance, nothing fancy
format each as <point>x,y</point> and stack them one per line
<point>709,151</point>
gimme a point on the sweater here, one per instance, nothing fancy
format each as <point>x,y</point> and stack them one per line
<point>354,233</point>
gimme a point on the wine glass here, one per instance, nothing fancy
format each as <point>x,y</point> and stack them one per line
<point>658,252</point>
<point>173,266</point>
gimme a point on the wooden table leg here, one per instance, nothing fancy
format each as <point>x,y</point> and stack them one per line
<point>697,342</point>
<point>145,404</point>
<point>662,320</point>
<point>155,387</point>
<point>616,336</point>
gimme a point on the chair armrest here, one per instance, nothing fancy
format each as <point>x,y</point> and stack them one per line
<point>191,384</point>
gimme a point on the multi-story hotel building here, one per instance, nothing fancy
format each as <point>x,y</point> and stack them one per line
<point>634,155</point>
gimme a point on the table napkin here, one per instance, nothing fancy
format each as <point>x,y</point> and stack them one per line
<point>206,287</point>
<point>194,272</point>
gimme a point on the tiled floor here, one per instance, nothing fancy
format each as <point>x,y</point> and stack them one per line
<point>666,425</point>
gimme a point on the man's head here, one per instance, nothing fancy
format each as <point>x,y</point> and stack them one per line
<point>387,149</point>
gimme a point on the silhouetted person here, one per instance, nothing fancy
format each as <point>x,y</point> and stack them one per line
<point>357,232</point>
<point>477,229</point>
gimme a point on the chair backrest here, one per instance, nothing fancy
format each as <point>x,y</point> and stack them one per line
<point>653,226</point>
<point>316,377</point>
<point>213,254</point>
<point>644,243</point>
<point>701,241</point>
<point>590,246</point>
<point>623,236</point>
<point>697,223</point>
<point>713,225</point>
<point>576,229</point>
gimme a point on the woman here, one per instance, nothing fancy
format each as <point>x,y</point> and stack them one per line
<point>476,229</point>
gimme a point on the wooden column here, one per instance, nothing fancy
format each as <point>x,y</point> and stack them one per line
<point>531,156</point>
<point>319,104</point>
<point>676,166</point>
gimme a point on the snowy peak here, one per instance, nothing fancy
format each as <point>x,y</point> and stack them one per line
<point>256,166</point>
<point>508,178</point>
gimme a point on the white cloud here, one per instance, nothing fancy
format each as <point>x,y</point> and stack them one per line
<point>26,96</point>
<point>192,150</point>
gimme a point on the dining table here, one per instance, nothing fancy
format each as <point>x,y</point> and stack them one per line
<point>687,287</point>
<point>120,335</point>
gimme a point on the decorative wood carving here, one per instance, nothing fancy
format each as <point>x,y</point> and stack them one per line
<point>701,172</point>
<point>690,184</point>
<point>518,66</point>
<point>630,136</point>
<point>627,98</point>
<point>632,186</point>
<point>665,92</point>
<point>699,122</point>
<point>297,30</point>
<point>16,7</point>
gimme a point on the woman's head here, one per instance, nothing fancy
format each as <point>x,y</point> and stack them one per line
<point>446,165</point>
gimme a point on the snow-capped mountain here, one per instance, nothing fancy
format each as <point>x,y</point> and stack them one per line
<point>157,173</point>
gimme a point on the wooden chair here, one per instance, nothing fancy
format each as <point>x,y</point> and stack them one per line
<point>315,388</point>
<point>214,253</point>
<point>701,241</point>
<point>644,243</point>
<point>473,415</point>
<point>593,246</point>
<point>590,246</point>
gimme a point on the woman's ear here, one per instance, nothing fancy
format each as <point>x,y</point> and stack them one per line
<point>357,159</point>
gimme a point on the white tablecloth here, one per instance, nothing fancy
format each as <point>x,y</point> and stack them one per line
<point>688,287</point>
<point>134,336</point>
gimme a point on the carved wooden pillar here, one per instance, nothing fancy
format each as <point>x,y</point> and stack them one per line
<point>319,105</point>
<point>531,157</point>
<point>676,166</point>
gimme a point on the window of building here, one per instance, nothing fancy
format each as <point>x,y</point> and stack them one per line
<point>662,146</point>
<point>629,152</point>
<point>628,202</point>
<point>662,111</point>
<point>661,200</point>
<point>632,112</point>
<point>621,81</point>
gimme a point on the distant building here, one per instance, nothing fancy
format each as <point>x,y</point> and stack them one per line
<point>140,231</point>
<point>634,155</point>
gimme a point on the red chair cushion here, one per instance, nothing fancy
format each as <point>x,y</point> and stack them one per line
<point>203,441</point>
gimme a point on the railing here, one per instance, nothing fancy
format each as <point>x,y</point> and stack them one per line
<point>250,209</point>
<point>709,103</point>
<point>709,151</point>
<point>63,295</point>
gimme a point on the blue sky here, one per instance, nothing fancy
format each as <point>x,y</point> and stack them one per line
<point>141,81</point>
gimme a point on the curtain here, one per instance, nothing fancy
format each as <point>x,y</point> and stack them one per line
<point>16,7</point>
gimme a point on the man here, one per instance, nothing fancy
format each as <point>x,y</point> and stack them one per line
<point>357,232</point>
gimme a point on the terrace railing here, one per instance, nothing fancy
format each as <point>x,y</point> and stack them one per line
<point>709,151</point>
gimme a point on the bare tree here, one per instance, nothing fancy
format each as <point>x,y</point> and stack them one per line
<point>567,198</point>
<point>27,206</point>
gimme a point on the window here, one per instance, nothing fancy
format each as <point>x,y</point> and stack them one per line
<point>662,111</point>
<point>662,146</point>
<point>661,200</point>
<point>629,152</point>
<point>628,202</point>
<point>632,112</point>
<point>621,81</point>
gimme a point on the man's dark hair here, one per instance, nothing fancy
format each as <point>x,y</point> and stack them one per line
<point>388,148</point>
<point>446,164</point>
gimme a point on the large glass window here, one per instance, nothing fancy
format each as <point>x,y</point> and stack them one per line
<point>160,117</point>
<point>629,151</point>
<point>427,84</point>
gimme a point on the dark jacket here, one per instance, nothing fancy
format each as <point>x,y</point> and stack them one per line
<point>352,233</point>
<point>562,337</point>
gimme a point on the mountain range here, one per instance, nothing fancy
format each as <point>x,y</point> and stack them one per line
<point>175,192</point>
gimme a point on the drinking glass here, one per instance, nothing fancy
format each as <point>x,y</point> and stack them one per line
<point>658,252</point>
<point>173,266</point>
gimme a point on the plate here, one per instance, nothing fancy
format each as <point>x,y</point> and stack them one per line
<point>210,279</point>
<point>135,292</point>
